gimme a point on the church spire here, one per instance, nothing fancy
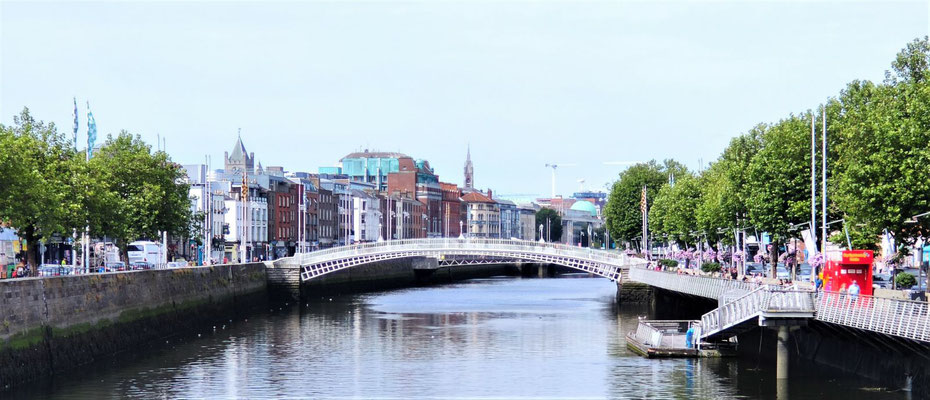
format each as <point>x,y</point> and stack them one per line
<point>469,170</point>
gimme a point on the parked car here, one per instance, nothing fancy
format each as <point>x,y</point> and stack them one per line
<point>754,268</point>
<point>115,266</point>
<point>176,264</point>
<point>781,272</point>
<point>55,270</point>
<point>137,265</point>
<point>804,272</point>
<point>881,281</point>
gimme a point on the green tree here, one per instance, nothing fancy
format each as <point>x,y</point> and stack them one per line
<point>779,180</point>
<point>144,195</point>
<point>550,219</point>
<point>883,172</point>
<point>904,280</point>
<point>36,196</point>
<point>622,211</point>
<point>725,187</point>
<point>672,212</point>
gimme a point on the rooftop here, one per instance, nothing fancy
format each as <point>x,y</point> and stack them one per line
<point>477,197</point>
<point>375,154</point>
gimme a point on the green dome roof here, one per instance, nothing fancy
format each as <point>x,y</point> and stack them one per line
<point>585,205</point>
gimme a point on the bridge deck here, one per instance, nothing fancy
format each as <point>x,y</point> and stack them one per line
<point>607,264</point>
<point>901,318</point>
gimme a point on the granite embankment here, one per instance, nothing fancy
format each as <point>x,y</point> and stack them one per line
<point>53,324</point>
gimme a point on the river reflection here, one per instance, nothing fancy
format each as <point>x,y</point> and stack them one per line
<point>500,337</point>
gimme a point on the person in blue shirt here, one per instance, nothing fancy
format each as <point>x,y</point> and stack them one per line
<point>853,291</point>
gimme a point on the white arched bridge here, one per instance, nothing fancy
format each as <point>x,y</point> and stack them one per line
<point>450,252</point>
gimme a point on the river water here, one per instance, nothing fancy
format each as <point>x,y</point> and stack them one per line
<point>484,338</point>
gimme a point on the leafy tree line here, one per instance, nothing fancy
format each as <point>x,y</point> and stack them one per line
<point>125,192</point>
<point>878,139</point>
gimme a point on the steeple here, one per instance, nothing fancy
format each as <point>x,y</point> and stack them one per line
<point>469,170</point>
<point>239,159</point>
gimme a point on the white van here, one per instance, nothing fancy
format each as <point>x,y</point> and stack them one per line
<point>144,252</point>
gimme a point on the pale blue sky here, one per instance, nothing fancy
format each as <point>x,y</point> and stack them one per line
<point>524,82</point>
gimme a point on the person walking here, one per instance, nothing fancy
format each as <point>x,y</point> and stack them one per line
<point>853,291</point>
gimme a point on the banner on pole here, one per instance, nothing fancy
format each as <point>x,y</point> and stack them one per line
<point>91,132</point>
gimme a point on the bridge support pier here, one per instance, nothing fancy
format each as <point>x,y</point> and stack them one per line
<point>543,270</point>
<point>781,354</point>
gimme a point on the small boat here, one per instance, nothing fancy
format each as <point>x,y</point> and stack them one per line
<point>674,338</point>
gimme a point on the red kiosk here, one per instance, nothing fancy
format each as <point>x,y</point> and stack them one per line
<point>844,267</point>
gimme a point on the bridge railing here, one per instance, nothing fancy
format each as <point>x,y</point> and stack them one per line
<point>733,312</point>
<point>703,286</point>
<point>469,245</point>
<point>903,318</point>
<point>764,299</point>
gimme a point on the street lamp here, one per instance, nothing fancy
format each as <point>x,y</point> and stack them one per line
<point>461,232</point>
<point>404,227</point>
<point>913,220</point>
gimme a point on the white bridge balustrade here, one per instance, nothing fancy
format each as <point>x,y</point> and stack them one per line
<point>607,264</point>
<point>764,306</point>
<point>901,318</point>
<point>712,288</point>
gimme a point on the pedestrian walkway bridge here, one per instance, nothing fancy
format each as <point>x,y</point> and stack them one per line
<point>746,304</point>
<point>448,251</point>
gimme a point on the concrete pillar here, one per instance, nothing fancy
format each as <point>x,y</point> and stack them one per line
<point>543,270</point>
<point>781,354</point>
<point>619,288</point>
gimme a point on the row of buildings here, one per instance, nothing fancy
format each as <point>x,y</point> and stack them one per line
<point>250,212</point>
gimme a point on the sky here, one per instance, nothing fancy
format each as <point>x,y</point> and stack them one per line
<point>523,83</point>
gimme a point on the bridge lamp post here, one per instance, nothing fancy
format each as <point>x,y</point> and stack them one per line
<point>425,224</point>
<point>404,230</point>
<point>461,232</point>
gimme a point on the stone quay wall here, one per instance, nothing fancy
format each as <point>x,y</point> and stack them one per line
<point>54,324</point>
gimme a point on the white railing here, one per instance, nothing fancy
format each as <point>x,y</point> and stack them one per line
<point>471,246</point>
<point>648,335</point>
<point>734,312</point>
<point>713,288</point>
<point>902,318</point>
<point>770,300</point>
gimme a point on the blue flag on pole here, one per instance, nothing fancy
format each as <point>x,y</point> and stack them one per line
<point>75,124</point>
<point>91,132</point>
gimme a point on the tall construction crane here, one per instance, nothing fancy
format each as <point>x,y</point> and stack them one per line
<point>554,166</point>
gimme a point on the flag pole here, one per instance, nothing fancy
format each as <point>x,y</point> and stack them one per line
<point>74,231</point>
<point>823,189</point>
<point>813,186</point>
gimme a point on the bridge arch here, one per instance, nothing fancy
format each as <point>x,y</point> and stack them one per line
<point>607,264</point>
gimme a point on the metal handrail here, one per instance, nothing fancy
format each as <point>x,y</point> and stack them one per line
<point>902,318</point>
<point>648,334</point>
<point>733,312</point>
<point>765,299</point>
<point>471,245</point>
<point>713,288</point>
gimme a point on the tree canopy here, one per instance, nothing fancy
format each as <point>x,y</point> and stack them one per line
<point>36,196</point>
<point>549,219</point>
<point>144,191</point>
<point>125,191</point>
<point>878,170</point>
<point>622,212</point>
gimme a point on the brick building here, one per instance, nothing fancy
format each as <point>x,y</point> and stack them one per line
<point>452,210</point>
